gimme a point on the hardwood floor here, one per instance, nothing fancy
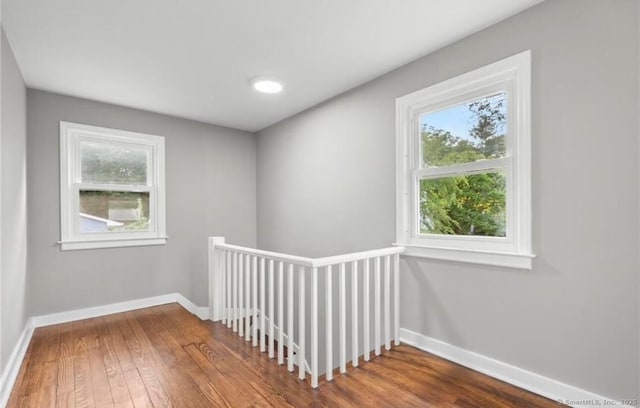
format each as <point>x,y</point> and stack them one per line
<point>164,356</point>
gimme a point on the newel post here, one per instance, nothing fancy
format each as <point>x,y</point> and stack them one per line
<point>216,270</point>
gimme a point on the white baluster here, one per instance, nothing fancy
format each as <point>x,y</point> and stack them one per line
<point>240,295</point>
<point>314,327</point>
<point>342,322</point>
<point>301,323</point>
<point>223,258</point>
<point>376,308</point>
<point>365,310</point>
<point>396,298</point>
<point>229,273</point>
<point>387,302</point>
<point>248,283</point>
<point>254,321</point>
<point>329,328</point>
<point>235,292</point>
<point>247,310</point>
<point>290,355</point>
<point>354,313</point>
<point>262,308</point>
<point>272,317</point>
<point>280,312</point>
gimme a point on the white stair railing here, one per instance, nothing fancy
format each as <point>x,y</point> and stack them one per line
<point>243,295</point>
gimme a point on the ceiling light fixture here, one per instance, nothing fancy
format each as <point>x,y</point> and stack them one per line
<point>267,85</point>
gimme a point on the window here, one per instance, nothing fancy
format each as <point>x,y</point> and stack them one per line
<point>111,188</point>
<point>464,167</point>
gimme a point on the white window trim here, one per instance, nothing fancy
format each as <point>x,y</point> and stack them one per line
<point>512,74</point>
<point>71,134</point>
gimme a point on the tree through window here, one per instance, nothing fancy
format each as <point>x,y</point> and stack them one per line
<point>464,204</point>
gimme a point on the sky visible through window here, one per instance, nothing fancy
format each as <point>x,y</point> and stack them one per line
<point>458,119</point>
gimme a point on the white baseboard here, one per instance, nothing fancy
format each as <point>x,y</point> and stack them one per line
<point>89,312</point>
<point>10,372</point>
<point>201,311</point>
<point>536,383</point>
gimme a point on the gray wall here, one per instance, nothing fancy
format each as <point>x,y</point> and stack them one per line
<point>211,190</point>
<point>326,186</point>
<point>13,263</point>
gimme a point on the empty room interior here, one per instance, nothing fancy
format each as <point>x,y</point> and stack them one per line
<point>410,203</point>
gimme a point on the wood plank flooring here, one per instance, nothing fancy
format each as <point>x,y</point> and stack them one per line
<point>165,357</point>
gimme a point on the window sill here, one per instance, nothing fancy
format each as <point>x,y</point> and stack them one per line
<point>503,259</point>
<point>116,243</point>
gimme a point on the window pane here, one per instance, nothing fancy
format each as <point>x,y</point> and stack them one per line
<point>464,133</point>
<point>105,211</point>
<point>473,204</point>
<point>113,164</point>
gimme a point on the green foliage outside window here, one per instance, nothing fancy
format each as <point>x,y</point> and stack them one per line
<point>469,204</point>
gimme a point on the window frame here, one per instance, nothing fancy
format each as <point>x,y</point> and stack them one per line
<point>513,76</point>
<point>71,137</point>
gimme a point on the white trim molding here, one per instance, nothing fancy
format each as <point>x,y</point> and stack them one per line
<point>536,383</point>
<point>478,257</point>
<point>73,137</point>
<point>201,311</point>
<point>512,77</point>
<point>96,311</point>
<point>12,369</point>
<point>116,243</point>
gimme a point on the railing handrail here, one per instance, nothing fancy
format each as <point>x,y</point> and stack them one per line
<point>277,256</point>
<point>356,256</point>
<point>237,274</point>
<point>313,262</point>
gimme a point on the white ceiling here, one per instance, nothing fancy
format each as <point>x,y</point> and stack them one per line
<point>194,58</point>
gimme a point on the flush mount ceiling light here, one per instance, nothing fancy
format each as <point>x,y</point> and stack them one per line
<point>267,85</point>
